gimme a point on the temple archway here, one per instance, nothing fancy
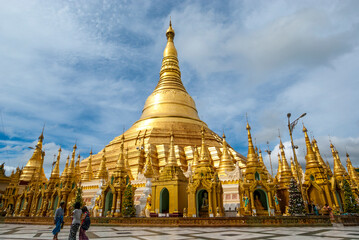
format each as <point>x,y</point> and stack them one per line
<point>39,201</point>
<point>108,202</point>
<point>56,201</point>
<point>337,195</point>
<point>164,201</point>
<point>314,196</point>
<point>260,200</point>
<point>202,203</point>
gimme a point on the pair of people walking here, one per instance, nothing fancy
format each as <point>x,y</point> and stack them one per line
<point>77,221</point>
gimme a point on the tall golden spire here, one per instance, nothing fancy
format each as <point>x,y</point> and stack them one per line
<point>34,165</point>
<point>293,168</point>
<point>286,173</point>
<point>317,153</point>
<point>226,163</point>
<point>354,175</point>
<point>64,173</point>
<point>195,158</point>
<point>279,171</point>
<point>77,168</point>
<point>251,156</point>
<point>102,172</point>
<point>172,161</point>
<point>71,169</point>
<point>88,174</point>
<point>121,158</point>
<point>310,158</point>
<point>204,160</point>
<point>55,174</point>
<point>339,170</point>
<point>177,102</point>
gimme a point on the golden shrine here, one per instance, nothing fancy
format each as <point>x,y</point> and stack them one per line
<point>178,167</point>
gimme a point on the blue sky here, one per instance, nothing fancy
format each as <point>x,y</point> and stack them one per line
<point>86,68</point>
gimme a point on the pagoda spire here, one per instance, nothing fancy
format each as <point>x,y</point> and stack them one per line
<point>351,170</point>
<point>226,163</point>
<point>102,172</point>
<point>317,153</point>
<point>195,158</point>
<point>64,173</point>
<point>251,156</point>
<point>279,171</point>
<point>339,170</point>
<point>77,168</point>
<point>286,173</point>
<point>165,104</point>
<point>293,168</point>
<point>71,169</point>
<point>34,165</point>
<point>120,165</point>
<point>170,74</point>
<point>310,157</point>
<point>88,174</point>
<point>56,171</point>
<point>172,161</point>
<point>204,159</point>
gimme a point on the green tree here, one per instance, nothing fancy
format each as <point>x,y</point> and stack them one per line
<point>296,204</point>
<point>350,204</point>
<point>128,208</point>
<point>78,197</point>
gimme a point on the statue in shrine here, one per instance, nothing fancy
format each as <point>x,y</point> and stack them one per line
<point>205,200</point>
<point>246,203</point>
<point>257,203</point>
<point>148,206</point>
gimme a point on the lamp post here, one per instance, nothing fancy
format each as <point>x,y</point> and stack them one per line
<point>291,126</point>
<point>270,160</point>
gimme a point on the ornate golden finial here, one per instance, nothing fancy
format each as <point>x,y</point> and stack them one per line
<point>286,173</point>
<point>204,159</point>
<point>88,174</point>
<point>226,163</point>
<point>310,157</point>
<point>64,173</point>
<point>56,171</point>
<point>71,169</point>
<point>148,167</point>
<point>102,172</point>
<point>172,161</point>
<point>195,158</point>
<point>251,156</point>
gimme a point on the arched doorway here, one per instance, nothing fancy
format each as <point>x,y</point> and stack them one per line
<point>314,196</point>
<point>56,201</point>
<point>39,201</point>
<point>202,203</point>
<point>108,203</point>
<point>164,201</point>
<point>337,195</point>
<point>260,200</point>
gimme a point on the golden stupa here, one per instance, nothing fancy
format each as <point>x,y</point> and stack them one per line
<point>168,109</point>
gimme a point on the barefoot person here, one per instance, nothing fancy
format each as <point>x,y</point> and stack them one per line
<point>76,220</point>
<point>58,220</point>
<point>85,224</point>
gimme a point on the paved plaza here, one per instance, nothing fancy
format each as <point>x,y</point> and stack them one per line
<point>16,231</point>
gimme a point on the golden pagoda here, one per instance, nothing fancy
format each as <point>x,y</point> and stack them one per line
<point>205,193</point>
<point>168,108</point>
<point>34,165</point>
<point>169,188</point>
<point>316,185</point>
<point>284,180</point>
<point>257,191</point>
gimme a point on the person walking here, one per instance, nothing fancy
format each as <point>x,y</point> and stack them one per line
<point>58,220</point>
<point>85,224</point>
<point>76,220</point>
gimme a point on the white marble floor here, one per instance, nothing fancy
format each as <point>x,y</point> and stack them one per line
<point>40,232</point>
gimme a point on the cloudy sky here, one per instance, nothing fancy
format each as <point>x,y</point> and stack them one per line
<point>86,68</point>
